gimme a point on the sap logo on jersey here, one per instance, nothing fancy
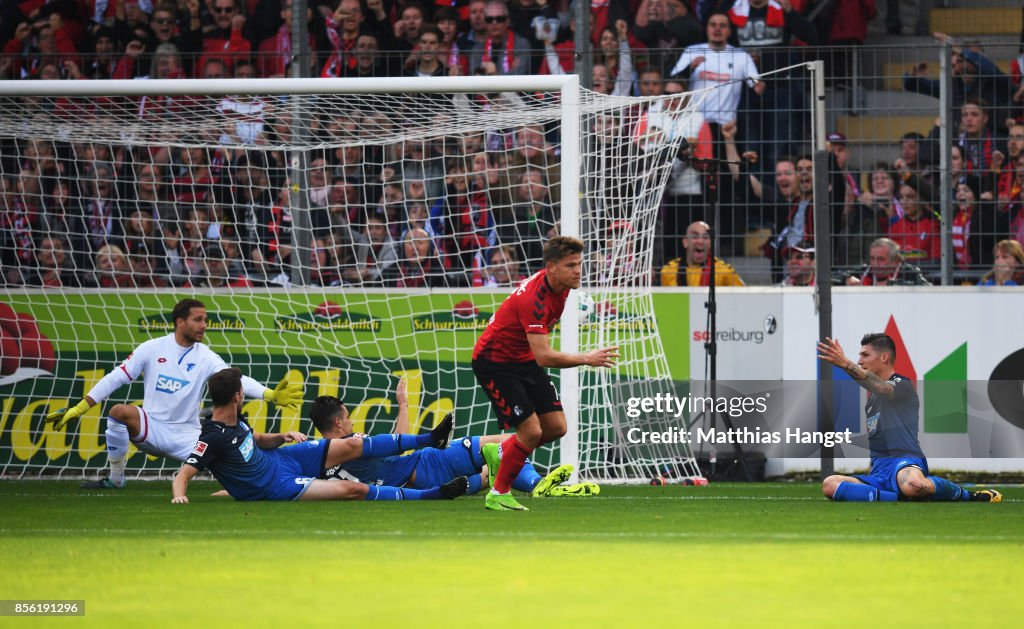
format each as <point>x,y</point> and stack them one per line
<point>167,384</point>
<point>246,448</point>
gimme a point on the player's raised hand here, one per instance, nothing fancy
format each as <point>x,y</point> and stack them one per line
<point>64,416</point>
<point>401,395</point>
<point>285,394</point>
<point>293,437</point>
<point>831,352</point>
<point>604,357</point>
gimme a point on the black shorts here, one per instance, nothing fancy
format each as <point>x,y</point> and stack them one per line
<point>516,390</point>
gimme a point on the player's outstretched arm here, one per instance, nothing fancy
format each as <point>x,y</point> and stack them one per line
<point>180,484</point>
<point>831,352</point>
<point>285,394</point>
<point>402,397</point>
<point>114,380</point>
<point>64,416</point>
<point>546,356</point>
<point>269,441</point>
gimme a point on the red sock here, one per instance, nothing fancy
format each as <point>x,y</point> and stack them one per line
<point>513,456</point>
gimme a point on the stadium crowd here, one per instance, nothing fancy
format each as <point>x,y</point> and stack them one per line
<point>475,210</point>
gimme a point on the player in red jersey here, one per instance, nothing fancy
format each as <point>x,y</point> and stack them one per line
<point>509,360</point>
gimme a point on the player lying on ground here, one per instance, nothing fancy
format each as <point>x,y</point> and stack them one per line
<point>250,466</point>
<point>899,469</point>
<point>174,368</point>
<point>509,360</point>
<point>425,468</point>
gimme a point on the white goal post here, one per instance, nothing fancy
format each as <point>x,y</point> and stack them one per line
<point>294,209</point>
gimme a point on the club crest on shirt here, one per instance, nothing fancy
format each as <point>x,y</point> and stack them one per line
<point>873,423</point>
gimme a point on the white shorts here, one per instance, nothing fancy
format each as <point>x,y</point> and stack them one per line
<point>174,442</point>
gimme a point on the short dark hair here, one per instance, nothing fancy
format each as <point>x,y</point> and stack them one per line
<point>435,31</point>
<point>224,385</point>
<point>561,247</point>
<point>183,308</point>
<point>980,102</point>
<point>880,342</point>
<point>326,409</point>
<point>911,135</point>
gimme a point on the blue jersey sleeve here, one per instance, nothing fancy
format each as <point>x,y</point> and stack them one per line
<point>206,450</point>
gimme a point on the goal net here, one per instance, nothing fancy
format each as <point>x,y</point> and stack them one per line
<point>342,233</point>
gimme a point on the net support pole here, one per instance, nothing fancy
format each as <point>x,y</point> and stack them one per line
<point>581,40</point>
<point>298,158</point>
<point>570,226</point>
<point>945,160</point>
<point>823,254</point>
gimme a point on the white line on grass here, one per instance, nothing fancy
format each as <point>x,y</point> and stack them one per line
<point>710,535</point>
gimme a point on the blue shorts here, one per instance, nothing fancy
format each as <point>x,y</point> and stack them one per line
<point>884,471</point>
<point>297,466</point>
<point>437,467</point>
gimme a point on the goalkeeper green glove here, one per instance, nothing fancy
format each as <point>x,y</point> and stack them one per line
<point>62,417</point>
<point>285,394</point>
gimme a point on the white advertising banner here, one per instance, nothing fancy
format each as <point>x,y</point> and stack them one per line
<point>964,347</point>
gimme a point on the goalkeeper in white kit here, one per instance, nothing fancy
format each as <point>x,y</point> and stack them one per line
<point>175,369</point>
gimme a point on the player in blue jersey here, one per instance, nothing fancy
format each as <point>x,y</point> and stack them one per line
<point>425,468</point>
<point>251,467</point>
<point>899,469</point>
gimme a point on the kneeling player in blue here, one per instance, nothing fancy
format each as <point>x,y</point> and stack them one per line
<point>250,467</point>
<point>426,468</point>
<point>899,469</point>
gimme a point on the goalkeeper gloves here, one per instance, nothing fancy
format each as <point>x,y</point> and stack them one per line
<point>64,416</point>
<point>285,394</point>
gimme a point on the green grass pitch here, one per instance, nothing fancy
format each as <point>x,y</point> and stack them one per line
<point>723,555</point>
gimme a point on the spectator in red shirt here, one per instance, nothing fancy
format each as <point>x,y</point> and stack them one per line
<point>343,29</point>
<point>225,41</point>
<point>275,52</point>
<point>917,231</point>
<point>33,47</point>
<point>849,28</point>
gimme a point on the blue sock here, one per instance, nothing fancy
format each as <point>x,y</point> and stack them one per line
<point>888,496</point>
<point>383,492</point>
<point>475,456</point>
<point>527,478</point>
<point>391,445</point>
<point>946,491</point>
<point>855,492</point>
<point>476,483</point>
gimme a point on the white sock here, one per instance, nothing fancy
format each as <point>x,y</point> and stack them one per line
<point>117,450</point>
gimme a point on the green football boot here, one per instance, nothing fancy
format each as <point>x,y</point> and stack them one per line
<point>556,477</point>
<point>492,457</point>
<point>503,502</point>
<point>578,490</point>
